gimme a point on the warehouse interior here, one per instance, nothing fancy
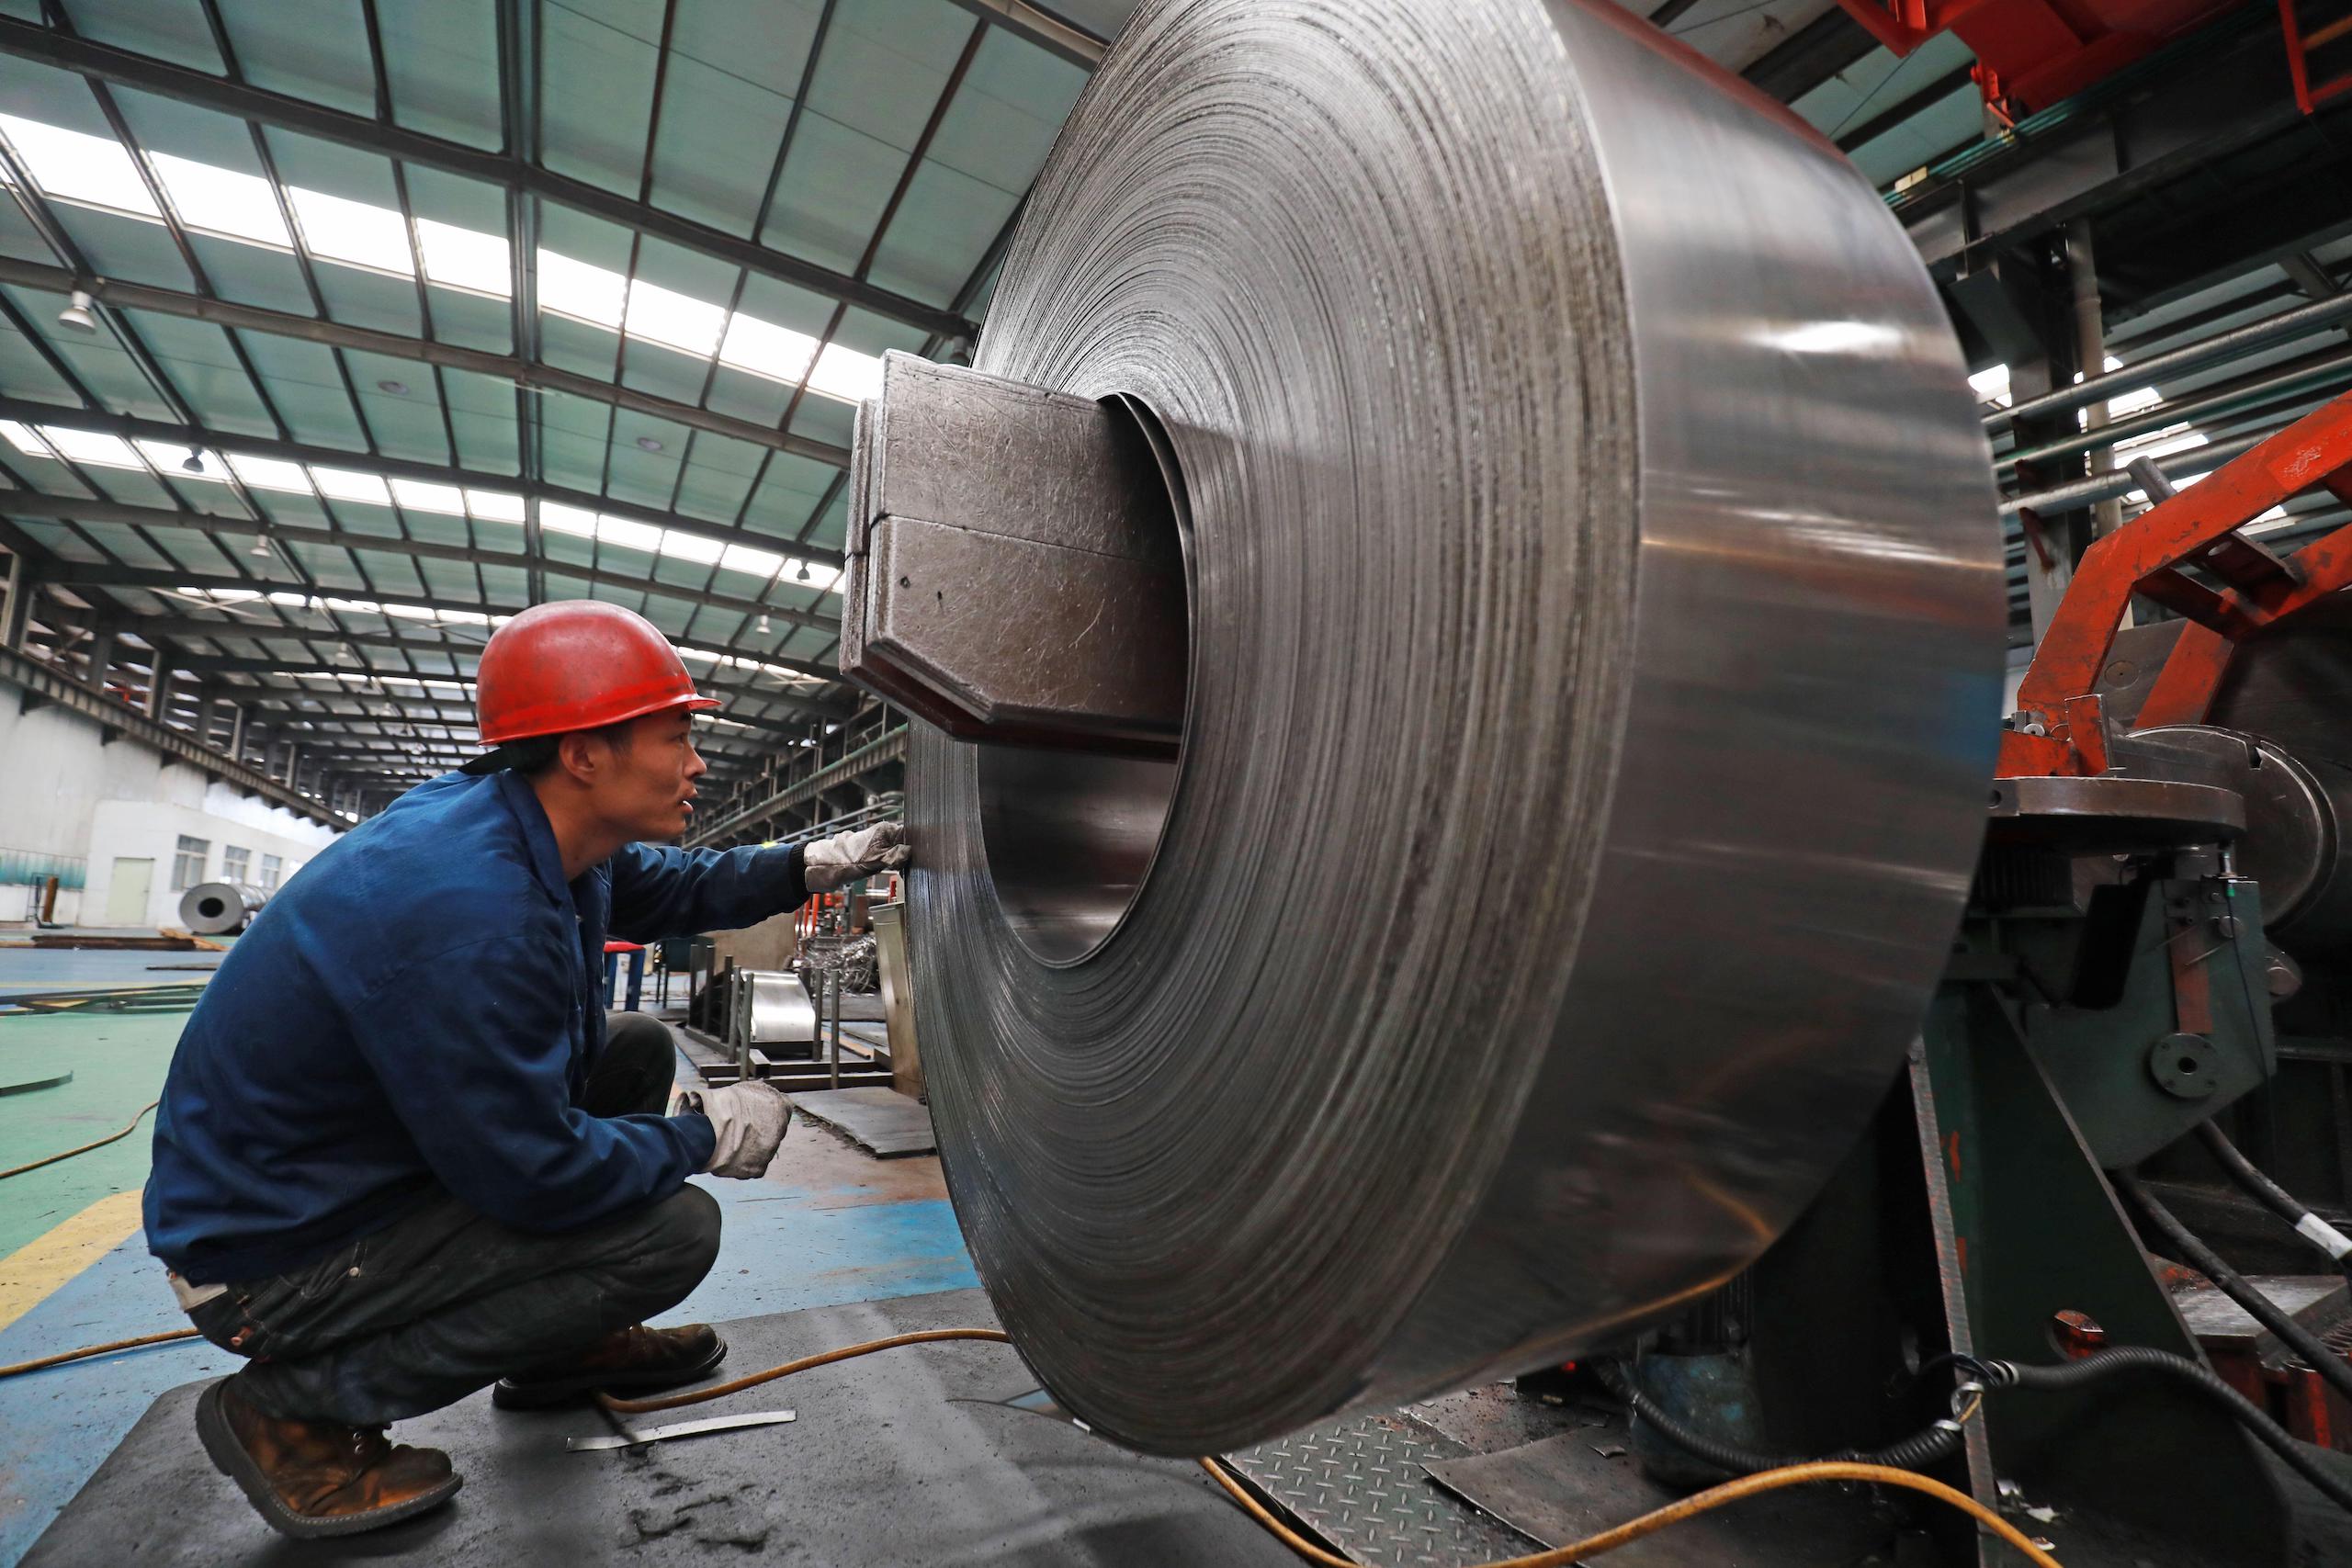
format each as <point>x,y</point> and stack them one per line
<point>1512,782</point>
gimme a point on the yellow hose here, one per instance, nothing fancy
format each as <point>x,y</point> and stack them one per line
<point>85,1148</point>
<point>86,1351</point>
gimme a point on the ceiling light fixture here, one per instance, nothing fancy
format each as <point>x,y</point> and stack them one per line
<point>762,627</point>
<point>194,462</point>
<point>398,389</point>
<point>800,571</point>
<point>261,546</point>
<point>649,444</point>
<point>76,314</point>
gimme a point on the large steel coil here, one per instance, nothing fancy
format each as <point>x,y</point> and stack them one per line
<point>220,908</point>
<point>1591,541</point>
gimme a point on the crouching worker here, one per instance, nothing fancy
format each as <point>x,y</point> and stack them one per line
<point>403,1155</point>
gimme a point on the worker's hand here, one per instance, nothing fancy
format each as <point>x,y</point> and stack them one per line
<point>749,1120</point>
<point>841,860</point>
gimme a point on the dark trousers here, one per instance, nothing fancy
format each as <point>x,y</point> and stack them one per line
<point>444,1302</point>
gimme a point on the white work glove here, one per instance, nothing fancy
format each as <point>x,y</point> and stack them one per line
<point>837,862</point>
<point>749,1120</point>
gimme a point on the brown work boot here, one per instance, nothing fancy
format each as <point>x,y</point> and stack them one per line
<point>317,1477</point>
<point>633,1361</point>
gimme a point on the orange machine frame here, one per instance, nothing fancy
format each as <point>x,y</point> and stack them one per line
<point>2064,722</point>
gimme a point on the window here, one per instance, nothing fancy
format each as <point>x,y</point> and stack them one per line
<point>236,865</point>
<point>187,862</point>
<point>269,869</point>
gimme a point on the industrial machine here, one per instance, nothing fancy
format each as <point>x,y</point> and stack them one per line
<point>1508,465</point>
<point>2150,971</point>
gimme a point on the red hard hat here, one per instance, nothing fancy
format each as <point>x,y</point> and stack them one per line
<point>577,664</point>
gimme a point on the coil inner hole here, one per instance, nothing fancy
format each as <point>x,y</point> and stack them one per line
<point>1071,835</point>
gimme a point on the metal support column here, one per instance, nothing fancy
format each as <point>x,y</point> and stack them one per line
<point>24,587</point>
<point>159,687</point>
<point>2090,357</point>
<point>99,655</point>
<point>2021,302</point>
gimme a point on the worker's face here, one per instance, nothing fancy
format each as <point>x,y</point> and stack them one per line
<point>645,786</point>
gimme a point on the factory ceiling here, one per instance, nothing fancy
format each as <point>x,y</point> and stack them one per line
<point>415,314</point>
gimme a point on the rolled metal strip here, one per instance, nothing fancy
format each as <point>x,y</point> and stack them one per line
<point>776,1008</point>
<point>220,908</point>
<point>1591,545</point>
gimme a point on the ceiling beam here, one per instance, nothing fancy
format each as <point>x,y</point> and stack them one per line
<point>232,664</point>
<point>279,721</point>
<point>131,427</point>
<point>195,626</point>
<point>1811,55</point>
<point>261,107</point>
<point>164,581</point>
<point>334,335</point>
<point>1034,24</point>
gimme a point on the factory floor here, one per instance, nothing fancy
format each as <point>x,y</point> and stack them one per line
<point>828,1226</point>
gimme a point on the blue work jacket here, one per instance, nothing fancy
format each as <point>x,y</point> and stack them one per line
<point>416,1011</point>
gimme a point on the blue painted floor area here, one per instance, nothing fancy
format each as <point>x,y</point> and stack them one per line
<point>65,969</point>
<point>827,1226</point>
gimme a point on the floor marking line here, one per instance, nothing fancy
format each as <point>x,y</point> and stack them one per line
<point>30,1275</point>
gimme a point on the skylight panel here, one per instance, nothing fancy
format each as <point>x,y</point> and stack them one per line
<point>220,595</point>
<point>222,201</point>
<point>466,258</point>
<point>25,439</point>
<point>171,460</point>
<point>846,373</point>
<point>91,448</point>
<point>620,531</point>
<point>664,316</point>
<point>293,600</point>
<point>561,519</point>
<point>1992,386</point>
<point>575,288</point>
<point>465,617</point>
<point>355,606</point>
<point>355,232</point>
<point>752,562</point>
<point>96,169</point>
<point>409,611</point>
<point>690,546</point>
<point>766,349</point>
<point>269,473</point>
<point>343,484</point>
<point>494,506</point>
<point>418,496</point>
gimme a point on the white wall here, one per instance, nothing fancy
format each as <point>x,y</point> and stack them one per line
<point>64,792</point>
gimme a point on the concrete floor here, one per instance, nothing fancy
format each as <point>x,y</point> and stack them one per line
<point>828,1226</point>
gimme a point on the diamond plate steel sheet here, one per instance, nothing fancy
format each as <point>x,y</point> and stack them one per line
<point>1362,1485</point>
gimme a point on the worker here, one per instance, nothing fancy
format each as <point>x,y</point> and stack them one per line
<point>402,1153</point>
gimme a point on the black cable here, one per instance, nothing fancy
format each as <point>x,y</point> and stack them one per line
<point>2281,1203</point>
<point>1915,1453</point>
<point>2137,1357</point>
<point>2294,1336</point>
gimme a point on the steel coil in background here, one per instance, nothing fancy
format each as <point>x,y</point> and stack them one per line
<point>772,1008</point>
<point>1593,540</point>
<point>220,908</point>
